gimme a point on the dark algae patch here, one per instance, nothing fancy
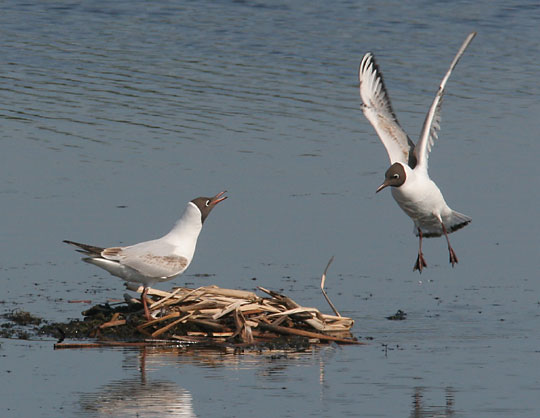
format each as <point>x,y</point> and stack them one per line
<point>20,324</point>
<point>24,325</point>
<point>91,325</point>
<point>23,318</point>
<point>398,316</point>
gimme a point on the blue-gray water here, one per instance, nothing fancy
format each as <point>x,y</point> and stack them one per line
<point>115,114</point>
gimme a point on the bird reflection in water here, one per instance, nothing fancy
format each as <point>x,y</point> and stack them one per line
<point>420,408</point>
<point>139,396</point>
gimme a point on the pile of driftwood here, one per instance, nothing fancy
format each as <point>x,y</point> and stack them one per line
<point>212,314</point>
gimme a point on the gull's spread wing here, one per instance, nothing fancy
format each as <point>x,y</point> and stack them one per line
<point>378,110</point>
<point>433,118</point>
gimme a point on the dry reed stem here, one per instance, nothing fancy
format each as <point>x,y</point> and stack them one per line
<point>323,279</point>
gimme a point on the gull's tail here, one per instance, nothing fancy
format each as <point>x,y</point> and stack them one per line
<point>456,221</point>
<point>85,248</point>
<point>452,221</point>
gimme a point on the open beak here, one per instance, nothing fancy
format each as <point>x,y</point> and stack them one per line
<point>218,198</point>
<point>382,186</point>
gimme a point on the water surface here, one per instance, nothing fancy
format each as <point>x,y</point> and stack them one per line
<point>114,115</point>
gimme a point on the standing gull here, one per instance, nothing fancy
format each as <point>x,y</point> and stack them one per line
<point>416,194</point>
<point>158,260</point>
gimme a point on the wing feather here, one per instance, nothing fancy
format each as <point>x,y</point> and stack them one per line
<point>149,263</point>
<point>378,110</point>
<point>157,265</point>
<point>432,122</point>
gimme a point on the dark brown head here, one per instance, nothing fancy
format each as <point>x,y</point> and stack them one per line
<point>206,204</point>
<point>395,176</point>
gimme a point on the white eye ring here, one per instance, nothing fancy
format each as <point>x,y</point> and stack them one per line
<point>396,176</point>
<point>207,203</point>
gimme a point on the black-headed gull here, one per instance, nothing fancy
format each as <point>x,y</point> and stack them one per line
<point>158,260</point>
<point>413,190</point>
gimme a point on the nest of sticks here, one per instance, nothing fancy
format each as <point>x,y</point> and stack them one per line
<point>217,316</point>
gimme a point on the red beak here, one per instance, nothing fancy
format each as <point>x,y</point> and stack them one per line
<point>217,198</point>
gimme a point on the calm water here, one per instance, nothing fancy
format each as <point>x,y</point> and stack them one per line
<point>115,114</point>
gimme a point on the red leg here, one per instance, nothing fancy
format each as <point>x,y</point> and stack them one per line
<point>145,304</point>
<point>453,257</point>
<point>420,261</point>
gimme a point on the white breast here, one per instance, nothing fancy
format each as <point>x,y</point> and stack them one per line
<point>420,198</point>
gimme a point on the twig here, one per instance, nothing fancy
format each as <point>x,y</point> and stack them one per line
<point>115,344</point>
<point>114,323</point>
<point>230,308</point>
<point>155,321</point>
<point>309,334</point>
<point>161,301</point>
<point>323,279</point>
<point>169,326</point>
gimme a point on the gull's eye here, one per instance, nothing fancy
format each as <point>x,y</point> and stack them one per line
<point>396,176</point>
<point>207,203</point>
